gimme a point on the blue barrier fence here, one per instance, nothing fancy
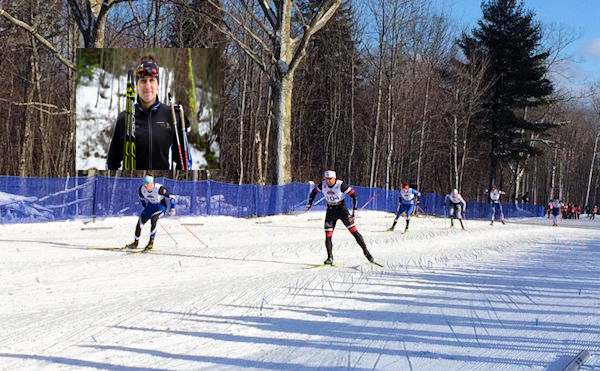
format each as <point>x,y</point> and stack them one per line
<point>43,199</point>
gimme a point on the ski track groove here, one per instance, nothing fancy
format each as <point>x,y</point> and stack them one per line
<point>261,293</point>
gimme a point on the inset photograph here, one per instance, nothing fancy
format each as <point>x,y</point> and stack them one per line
<point>147,109</point>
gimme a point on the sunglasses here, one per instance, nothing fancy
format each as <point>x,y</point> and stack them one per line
<point>147,72</point>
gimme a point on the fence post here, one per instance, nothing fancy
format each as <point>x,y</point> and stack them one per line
<point>94,199</point>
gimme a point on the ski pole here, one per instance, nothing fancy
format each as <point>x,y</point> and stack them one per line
<point>193,234</point>
<point>311,185</point>
<point>369,201</point>
<point>176,131</point>
<point>165,229</point>
<point>185,144</point>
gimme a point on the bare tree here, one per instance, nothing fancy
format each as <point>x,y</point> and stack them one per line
<point>91,19</point>
<point>283,45</point>
<point>596,113</point>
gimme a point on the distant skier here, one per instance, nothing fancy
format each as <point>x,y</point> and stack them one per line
<point>457,207</point>
<point>153,197</point>
<point>555,207</point>
<point>495,194</point>
<point>406,204</point>
<point>334,191</point>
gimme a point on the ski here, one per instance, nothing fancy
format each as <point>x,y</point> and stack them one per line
<point>377,264</point>
<point>129,160</point>
<point>140,251</point>
<point>320,266</point>
<point>106,248</point>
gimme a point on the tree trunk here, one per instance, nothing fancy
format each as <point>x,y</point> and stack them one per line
<point>553,194</point>
<point>377,114</point>
<point>422,137</point>
<point>352,144</point>
<point>390,137</point>
<point>25,167</point>
<point>156,23</point>
<point>587,193</point>
<point>282,118</point>
<point>190,94</point>
<point>267,149</point>
<point>283,84</point>
<point>72,123</point>
<point>455,151</point>
<point>242,113</point>
<point>101,78</point>
<point>518,177</point>
<point>99,26</point>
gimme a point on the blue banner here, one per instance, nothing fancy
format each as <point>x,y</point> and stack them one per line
<point>45,199</point>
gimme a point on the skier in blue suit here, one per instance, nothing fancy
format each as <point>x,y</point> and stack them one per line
<point>153,197</point>
<point>406,204</point>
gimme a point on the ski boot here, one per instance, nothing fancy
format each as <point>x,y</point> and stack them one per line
<point>149,245</point>
<point>329,261</point>
<point>461,224</point>
<point>391,229</point>
<point>492,222</point>
<point>132,245</point>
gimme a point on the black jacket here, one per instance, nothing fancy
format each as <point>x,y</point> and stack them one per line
<point>155,141</point>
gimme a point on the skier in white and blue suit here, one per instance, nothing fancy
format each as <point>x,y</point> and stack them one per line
<point>406,204</point>
<point>153,197</point>
<point>457,207</point>
<point>495,194</point>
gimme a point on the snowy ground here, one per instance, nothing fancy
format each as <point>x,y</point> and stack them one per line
<point>523,296</point>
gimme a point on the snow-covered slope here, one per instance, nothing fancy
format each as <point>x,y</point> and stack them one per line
<point>226,293</point>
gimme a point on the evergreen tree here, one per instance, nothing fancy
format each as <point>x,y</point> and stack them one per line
<point>510,38</point>
<point>323,137</point>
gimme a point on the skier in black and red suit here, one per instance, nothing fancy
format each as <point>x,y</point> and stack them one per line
<point>335,190</point>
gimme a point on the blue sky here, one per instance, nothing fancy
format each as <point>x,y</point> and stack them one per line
<point>581,17</point>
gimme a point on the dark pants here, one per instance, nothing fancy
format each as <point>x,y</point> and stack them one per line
<point>335,213</point>
<point>151,212</point>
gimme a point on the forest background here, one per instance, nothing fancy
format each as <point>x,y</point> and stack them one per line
<point>383,91</point>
